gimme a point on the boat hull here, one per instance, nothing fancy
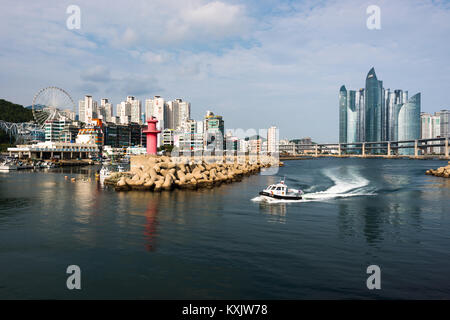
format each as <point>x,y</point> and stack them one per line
<point>279,197</point>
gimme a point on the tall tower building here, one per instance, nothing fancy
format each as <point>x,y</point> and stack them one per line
<point>168,115</point>
<point>184,112</point>
<point>373,107</point>
<point>124,112</point>
<point>89,109</point>
<point>81,111</point>
<point>272,139</point>
<point>107,109</point>
<point>444,116</point>
<point>352,117</point>
<point>135,109</point>
<point>409,122</point>
<point>360,111</point>
<point>214,132</point>
<point>343,115</point>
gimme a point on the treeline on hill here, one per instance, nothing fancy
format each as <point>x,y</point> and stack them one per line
<point>11,112</point>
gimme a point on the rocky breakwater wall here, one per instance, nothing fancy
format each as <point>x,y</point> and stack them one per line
<point>440,172</point>
<point>166,173</point>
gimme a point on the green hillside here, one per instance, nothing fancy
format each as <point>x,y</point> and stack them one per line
<point>11,112</point>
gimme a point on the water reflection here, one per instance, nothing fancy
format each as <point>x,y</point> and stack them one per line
<point>150,233</point>
<point>381,216</point>
<point>276,212</point>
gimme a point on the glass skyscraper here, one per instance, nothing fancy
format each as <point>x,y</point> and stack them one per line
<point>409,123</point>
<point>352,117</point>
<point>343,115</point>
<point>376,114</point>
<point>359,101</point>
<point>373,107</point>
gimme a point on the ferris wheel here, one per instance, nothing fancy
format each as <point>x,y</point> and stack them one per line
<point>52,103</point>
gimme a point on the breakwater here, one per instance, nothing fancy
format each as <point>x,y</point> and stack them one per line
<point>440,172</point>
<point>166,173</point>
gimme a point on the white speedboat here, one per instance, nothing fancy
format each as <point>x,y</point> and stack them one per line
<point>280,191</point>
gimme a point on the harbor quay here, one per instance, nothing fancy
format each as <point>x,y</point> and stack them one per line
<point>50,150</point>
<point>156,173</point>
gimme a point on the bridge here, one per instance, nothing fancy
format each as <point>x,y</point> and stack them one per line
<point>420,148</point>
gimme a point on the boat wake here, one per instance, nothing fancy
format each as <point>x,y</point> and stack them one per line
<point>345,184</point>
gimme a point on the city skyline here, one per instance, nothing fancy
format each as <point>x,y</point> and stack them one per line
<point>375,113</point>
<point>285,63</point>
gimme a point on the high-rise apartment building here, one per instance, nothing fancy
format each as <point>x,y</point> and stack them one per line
<point>444,116</point>
<point>106,110</point>
<point>124,112</point>
<point>87,109</point>
<point>135,109</point>
<point>272,139</point>
<point>184,113</point>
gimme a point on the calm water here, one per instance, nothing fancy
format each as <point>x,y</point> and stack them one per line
<point>220,243</point>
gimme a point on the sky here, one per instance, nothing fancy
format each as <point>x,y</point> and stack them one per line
<point>258,63</point>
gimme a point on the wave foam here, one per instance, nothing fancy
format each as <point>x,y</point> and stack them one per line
<point>349,184</point>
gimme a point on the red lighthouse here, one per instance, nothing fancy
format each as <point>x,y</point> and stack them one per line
<point>152,135</point>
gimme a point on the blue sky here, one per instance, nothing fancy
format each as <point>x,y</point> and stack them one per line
<point>257,63</point>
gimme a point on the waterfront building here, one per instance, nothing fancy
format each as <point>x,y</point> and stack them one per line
<point>272,139</point>
<point>232,142</point>
<point>214,132</point>
<point>255,145</point>
<point>136,150</point>
<point>118,135</point>
<point>409,123</point>
<point>58,150</point>
<point>53,129</point>
<point>430,127</point>
<point>91,134</point>
<point>444,130</point>
<point>244,145</point>
<point>70,132</point>
<point>343,115</point>
<point>191,137</point>
<point>167,139</point>
<point>373,107</point>
<point>444,116</point>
